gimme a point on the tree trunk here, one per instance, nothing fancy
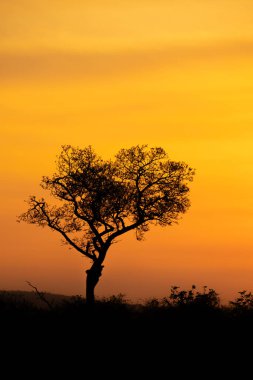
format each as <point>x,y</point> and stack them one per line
<point>92,279</point>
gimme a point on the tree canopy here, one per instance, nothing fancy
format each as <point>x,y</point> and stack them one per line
<point>99,200</point>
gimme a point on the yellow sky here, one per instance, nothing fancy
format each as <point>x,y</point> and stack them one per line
<point>176,74</point>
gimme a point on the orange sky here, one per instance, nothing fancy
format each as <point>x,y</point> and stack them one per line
<point>176,74</point>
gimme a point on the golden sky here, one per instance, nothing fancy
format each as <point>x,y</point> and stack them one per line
<point>176,74</point>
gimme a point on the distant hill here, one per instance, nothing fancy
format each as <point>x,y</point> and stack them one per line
<point>19,296</point>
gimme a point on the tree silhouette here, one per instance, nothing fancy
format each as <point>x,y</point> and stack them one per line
<point>99,200</point>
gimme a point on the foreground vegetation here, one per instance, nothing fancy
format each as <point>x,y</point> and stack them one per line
<point>189,328</point>
<point>181,312</point>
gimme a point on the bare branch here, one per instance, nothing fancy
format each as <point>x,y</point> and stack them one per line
<point>41,296</point>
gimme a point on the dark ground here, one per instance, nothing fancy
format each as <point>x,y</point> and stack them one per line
<point>113,333</point>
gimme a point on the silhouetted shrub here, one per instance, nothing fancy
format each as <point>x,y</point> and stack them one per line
<point>152,303</point>
<point>244,302</point>
<point>208,298</point>
<point>119,299</point>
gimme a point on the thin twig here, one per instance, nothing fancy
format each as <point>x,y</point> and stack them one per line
<point>40,295</point>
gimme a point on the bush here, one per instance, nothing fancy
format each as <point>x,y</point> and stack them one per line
<point>243,302</point>
<point>208,298</point>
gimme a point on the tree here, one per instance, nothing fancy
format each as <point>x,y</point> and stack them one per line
<point>100,200</point>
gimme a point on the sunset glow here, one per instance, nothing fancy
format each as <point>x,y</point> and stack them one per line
<point>175,74</point>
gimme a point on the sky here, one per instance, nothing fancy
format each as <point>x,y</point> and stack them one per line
<point>175,74</point>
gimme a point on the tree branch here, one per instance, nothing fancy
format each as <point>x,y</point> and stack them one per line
<point>122,231</point>
<point>41,295</point>
<point>76,212</point>
<point>66,237</point>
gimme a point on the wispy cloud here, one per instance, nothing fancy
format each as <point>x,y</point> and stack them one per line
<point>75,66</point>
